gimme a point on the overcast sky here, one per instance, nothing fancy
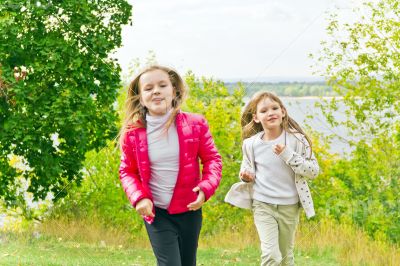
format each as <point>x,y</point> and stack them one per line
<point>229,39</point>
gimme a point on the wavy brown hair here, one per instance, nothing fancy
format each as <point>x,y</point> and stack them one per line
<point>135,116</point>
<point>250,127</point>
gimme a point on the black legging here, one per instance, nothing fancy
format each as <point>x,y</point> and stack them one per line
<point>174,237</point>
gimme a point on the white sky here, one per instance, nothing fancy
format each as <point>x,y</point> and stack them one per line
<point>229,39</point>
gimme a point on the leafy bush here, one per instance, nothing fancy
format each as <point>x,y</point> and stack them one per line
<point>100,195</point>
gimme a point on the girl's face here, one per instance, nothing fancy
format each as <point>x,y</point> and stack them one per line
<point>156,92</point>
<point>269,113</point>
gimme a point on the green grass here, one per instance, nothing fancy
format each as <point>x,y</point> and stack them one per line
<point>50,251</point>
<point>23,250</point>
<point>316,257</point>
<point>62,242</point>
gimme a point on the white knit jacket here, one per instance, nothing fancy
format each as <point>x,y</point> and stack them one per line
<point>299,160</point>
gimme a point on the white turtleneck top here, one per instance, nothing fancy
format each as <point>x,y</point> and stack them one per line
<point>163,148</point>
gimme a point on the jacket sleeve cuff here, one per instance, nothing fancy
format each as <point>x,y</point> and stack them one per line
<point>135,201</point>
<point>207,193</point>
<point>286,154</point>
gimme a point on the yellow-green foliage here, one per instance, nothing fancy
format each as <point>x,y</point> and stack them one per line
<point>360,60</point>
<point>222,111</point>
<point>362,189</point>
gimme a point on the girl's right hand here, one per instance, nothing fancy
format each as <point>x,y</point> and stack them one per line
<point>145,207</point>
<point>247,176</point>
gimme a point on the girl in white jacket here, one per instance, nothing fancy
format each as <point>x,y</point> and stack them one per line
<point>277,161</point>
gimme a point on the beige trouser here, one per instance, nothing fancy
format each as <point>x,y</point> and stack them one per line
<point>276,227</point>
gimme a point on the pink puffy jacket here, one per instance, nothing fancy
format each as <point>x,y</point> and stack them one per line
<point>195,142</point>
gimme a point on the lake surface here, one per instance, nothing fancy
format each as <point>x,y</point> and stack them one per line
<point>300,108</point>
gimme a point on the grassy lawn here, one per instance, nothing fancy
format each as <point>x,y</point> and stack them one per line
<point>317,243</point>
<point>53,251</point>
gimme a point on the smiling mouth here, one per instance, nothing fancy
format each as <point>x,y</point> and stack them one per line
<point>157,100</point>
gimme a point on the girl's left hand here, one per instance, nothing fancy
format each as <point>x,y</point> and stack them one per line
<point>195,205</point>
<point>278,148</point>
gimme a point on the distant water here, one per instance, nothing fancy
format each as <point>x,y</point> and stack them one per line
<point>300,107</point>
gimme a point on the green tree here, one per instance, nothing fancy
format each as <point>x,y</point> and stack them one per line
<point>361,61</point>
<point>63,107</point>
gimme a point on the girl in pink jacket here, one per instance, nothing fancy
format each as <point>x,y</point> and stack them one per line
<point>160,172</point>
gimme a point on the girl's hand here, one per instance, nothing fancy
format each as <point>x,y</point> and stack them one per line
<point>278,148</point>
<point>247,176</point>
<point>145,207</point>
<point>195,205</point>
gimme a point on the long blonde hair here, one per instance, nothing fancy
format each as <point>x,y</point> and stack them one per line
<point>250,127</point>
<point>135,116</point>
